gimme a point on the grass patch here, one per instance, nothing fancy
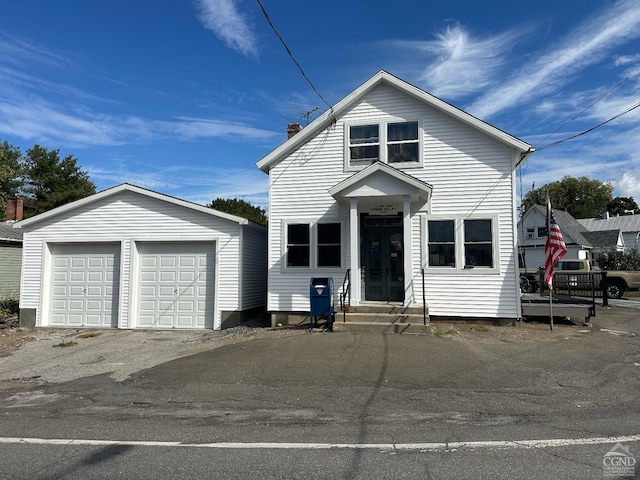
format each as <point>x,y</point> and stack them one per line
<point>89,335</point>
<point>632,294</point>
<point>479,328</point>
<point>441,332</point>
<point>66,344</point>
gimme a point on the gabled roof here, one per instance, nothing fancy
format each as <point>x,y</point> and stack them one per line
<point>604,238</point>
<point>354,97</point>
<point>127,187</point>
<point>417,188</point>
<point>626,223</point>
<point>8,234</point>
<point>569,226</point>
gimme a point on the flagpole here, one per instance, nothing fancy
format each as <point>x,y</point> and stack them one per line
<point>548,234</point>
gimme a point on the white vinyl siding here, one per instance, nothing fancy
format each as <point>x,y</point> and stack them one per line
<point>254,268</point>
<point>129,217</point>
<point>471,173</point>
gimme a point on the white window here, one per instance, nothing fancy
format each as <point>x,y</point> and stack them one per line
<point>298,245</point>
<point>313,244</point>
<point>329,245</point>
<point>364,145</point>
<point>442,243</point>
<point>402,142</point>
<point>478,243</point>
<point>394,142</point>
<point>460,243</point>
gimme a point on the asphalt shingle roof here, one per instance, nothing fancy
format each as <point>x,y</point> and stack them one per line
<point>10,234</point>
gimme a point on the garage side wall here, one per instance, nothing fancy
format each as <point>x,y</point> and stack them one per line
<point>254,268</point>
<point>126,218</point>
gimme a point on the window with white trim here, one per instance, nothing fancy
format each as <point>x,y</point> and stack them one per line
<point>442,245</point>
<point>313,244</point>
<point>457,243</point>
<point>390,141</point>
<point>329,245</point>
<point>478,243</point>
<point>298,245</point>
<point>402,142</point>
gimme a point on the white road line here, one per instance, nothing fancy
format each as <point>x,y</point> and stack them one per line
<point>429,446</point>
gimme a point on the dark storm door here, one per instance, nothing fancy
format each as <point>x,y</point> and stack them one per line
<point>383,263</point>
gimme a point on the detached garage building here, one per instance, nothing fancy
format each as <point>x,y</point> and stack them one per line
<point>132,258</point>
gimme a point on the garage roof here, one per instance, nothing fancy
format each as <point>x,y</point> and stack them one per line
<point>142,191</point>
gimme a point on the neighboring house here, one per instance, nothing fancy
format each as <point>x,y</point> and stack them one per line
<point>132,258</point>
<point>629,225</point>
<point>580,242</point>
<point>10,249</point>
<point>391,181</point>
<point>10,260</point>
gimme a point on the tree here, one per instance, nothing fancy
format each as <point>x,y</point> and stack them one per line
<point>611,259</point>
<point>623,206</point>
<point>48,182</point>
<point>9,174</point>
<point>240,208</point>
<point>581,197</point>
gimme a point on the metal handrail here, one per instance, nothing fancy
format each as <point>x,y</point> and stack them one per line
<point>345,294</point>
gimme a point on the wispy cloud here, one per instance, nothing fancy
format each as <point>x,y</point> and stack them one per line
<point>38,120</point>
<point>224,19</point>
<point>462,63</point>
<point>196,184</point>
<point>586,46</point>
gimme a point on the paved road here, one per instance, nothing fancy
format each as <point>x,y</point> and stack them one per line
<point>507,384</point>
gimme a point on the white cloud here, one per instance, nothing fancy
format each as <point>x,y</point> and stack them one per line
<point>223,18</point>
<point>629,185</point>
<point>586,46</point>
<point>196,184</point>
<point>463,64</point>
<point>37,120</point>
<point>621,60</point>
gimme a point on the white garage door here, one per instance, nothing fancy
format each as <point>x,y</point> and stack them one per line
<point>84,284</point>
<point>176,284</point>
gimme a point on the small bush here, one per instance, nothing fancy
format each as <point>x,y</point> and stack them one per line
<point>9,305</point>
<point>65,344</point>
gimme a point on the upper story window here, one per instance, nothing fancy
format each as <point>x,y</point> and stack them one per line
<point>389,142</point>
<point>402,142</point>
<point>364,144</point>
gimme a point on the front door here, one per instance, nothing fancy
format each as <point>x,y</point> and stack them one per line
<point>382,260</point>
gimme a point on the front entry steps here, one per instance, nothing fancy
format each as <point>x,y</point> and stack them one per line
<point>384,317</point>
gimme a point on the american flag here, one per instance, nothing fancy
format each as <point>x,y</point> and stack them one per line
<point>554,248</point>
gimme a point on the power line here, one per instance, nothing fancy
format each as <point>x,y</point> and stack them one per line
<point>266,16</point>
<point>624,112</point>
<point>591,105</point>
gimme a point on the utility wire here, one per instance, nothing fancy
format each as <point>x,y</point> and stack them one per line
<point>624,112</point>
<point>266,16</point>
<point>591,105</point>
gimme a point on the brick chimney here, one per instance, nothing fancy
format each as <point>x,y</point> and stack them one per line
<point>13,209</point>
<point>292,129</point>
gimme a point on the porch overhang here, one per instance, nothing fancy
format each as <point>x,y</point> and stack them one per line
<point>382,180</point>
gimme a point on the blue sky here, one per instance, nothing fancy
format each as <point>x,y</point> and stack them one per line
<point>184,96</point>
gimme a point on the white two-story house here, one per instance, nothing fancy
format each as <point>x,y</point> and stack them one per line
<point>393,192</point>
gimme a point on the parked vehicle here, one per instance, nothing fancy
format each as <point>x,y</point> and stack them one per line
<point>617,281</point>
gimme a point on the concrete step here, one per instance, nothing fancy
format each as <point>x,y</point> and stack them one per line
<point>390,318</point>
<point>386,308</point>
<point>378,327</point>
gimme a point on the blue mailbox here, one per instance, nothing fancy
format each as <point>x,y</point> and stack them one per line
<point>321,298</point>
